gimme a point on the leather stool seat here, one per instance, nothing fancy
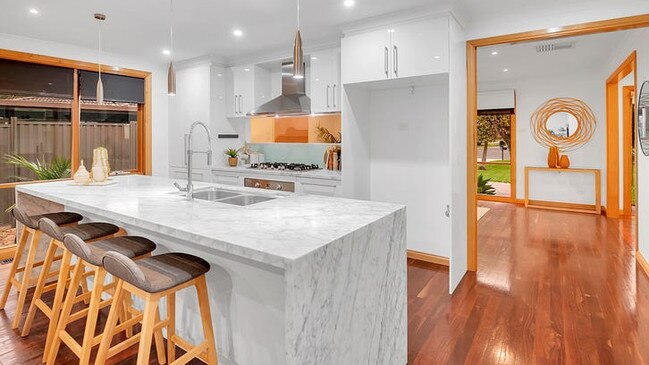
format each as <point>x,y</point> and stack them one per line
<point>129,246</point>
<point>157,273</point>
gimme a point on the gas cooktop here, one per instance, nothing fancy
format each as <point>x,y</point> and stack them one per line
<point>284,166</point>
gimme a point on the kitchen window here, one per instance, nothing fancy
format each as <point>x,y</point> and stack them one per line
<point>48,115</point>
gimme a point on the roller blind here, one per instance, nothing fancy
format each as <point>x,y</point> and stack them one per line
<point>116,88</point>
<point>30,79</point>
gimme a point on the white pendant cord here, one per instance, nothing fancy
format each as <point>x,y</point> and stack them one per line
<point>298,15</point>
<point>171,28</point>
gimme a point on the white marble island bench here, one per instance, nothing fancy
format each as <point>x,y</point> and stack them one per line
<point>296,280</point>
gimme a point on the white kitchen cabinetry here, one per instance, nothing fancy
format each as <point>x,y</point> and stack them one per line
<point>415,48</point>
<point>197,174</point>
<point>249,87</point>
<point>318,187</point>
<point>227,178</point>
<point>325,81</point>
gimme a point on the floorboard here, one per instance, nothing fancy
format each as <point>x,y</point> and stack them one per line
<point>551,288</point>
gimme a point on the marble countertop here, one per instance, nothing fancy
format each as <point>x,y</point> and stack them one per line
<point>274,232</point>
<point>314,174</point>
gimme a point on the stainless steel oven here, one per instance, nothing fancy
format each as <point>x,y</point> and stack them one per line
<point>269,184</point>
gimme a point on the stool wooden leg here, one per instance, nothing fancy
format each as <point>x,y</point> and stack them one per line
<point>93,314</point>
<point>159,340</point>
<point>20,247</point>
<point>42,278</point>
<point>111,322</point>
<point>127,305</point>
<point>206,319</point>
<point>171,328</point>
<point>59,295</point>
<point>26,278</point>
<point>65,312</point>
<point>146,336</point>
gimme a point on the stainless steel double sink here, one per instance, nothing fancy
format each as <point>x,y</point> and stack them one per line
<point>233,197</point>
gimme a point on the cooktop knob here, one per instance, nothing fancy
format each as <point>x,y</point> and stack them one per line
<point>279,187</point>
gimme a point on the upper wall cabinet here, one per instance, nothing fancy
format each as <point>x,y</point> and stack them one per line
<point>325,81</point>
<point>397,51</point>
<point>249,86</point>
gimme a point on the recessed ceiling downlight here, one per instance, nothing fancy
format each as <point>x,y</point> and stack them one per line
<point>505,70</point>
<point>349,3</point>
<point>237,33</point>
<point>33,11</point>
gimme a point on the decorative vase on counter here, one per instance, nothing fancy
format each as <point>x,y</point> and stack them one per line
<point>100,167</point>
<point>553,157</point>
<point>82,176</point>
<point>233,161</point>
<point>564,162</point>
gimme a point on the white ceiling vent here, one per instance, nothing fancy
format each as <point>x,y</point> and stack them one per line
<point>552,47</point>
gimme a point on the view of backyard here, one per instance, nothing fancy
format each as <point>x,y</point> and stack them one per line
<point>493,151</point>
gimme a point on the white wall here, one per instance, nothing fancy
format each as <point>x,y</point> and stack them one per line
<point>409,160</point>
<point>158,85</point>
<point>587,86</point>
<point>458,153</point>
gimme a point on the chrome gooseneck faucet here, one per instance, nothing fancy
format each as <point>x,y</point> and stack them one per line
<point>191,152</point>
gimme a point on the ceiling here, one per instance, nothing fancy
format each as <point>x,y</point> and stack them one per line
<point>522,59</point>
<point>141,27</point>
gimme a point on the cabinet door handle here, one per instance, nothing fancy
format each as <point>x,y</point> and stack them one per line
<point>235,104</point>
<point>334,95</point>
<point>240,110</point>
<point>395,60</point>
<point>387,72</point>
<point>328,89</point>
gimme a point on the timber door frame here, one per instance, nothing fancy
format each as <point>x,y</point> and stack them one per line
<point>632,22</point>
<point>628,147</point>
<point>627,67</point>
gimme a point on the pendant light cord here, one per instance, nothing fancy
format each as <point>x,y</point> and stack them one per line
<point>171,27</point>
<point>298,14</point>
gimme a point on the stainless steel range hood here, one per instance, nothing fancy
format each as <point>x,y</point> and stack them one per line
<point>293,100</point>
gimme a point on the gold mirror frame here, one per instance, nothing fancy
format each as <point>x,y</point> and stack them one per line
<point>586,123</point>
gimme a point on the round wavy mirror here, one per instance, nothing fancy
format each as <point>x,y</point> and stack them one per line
<point>565,123</point>
<point>643,118</point>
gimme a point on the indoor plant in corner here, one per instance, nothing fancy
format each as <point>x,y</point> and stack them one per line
<point>232,154</point>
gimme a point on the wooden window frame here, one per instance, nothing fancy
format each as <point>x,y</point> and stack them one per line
<point>611,25</point>
<point>144,139</point>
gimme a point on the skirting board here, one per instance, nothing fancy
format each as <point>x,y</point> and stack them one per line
<point>433,259</point>
<point>642,262</point>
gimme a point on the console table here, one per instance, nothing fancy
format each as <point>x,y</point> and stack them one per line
<point>571,207</point>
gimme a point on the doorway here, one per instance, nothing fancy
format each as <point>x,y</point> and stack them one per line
<point>472,105</point>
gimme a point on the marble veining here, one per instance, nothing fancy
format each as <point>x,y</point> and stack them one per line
<point>274,232</point>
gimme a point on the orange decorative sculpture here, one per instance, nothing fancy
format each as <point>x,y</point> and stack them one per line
<point>553,157</point>
<point>564,162</point>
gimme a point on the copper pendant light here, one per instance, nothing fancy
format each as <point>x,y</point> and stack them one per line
<point>298,54</point>
<point>171,73</point>
<point>100,85</point>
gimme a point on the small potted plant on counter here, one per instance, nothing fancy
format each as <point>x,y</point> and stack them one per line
<point>232,157</point>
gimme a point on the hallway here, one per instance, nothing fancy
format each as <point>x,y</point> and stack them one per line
<point>551,288</point>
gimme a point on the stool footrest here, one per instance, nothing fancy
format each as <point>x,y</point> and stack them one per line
<point>70,342</point>
<point>192,352</point>
<point>186,346</point>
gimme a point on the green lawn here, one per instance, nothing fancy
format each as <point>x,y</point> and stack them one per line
<point>496,172</point>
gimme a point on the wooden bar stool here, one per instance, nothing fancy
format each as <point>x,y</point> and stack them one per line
<point>151,279</point>
<point>87,232</point>
<point>30,228</point>
<point>90,257</point>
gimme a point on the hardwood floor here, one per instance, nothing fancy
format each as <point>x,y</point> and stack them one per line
<point>551,288</point>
